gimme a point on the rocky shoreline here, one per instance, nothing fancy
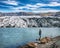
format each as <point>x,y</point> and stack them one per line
<point>54,43</point>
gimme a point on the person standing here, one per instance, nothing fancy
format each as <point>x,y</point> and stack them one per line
<point>39,34</point>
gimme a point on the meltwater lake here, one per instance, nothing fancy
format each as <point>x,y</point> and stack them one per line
<point>13,37</point>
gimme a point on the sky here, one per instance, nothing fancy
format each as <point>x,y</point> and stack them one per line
<point>30,6</point>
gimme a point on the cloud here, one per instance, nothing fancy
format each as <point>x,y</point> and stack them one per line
<point>32,7</point>
<point>37,6</point>
<point>45,10</point>
<point>50,4</point>
<point>35,10</point>
<point>54,0</point>
<point>10,2</point>
<point>42,4</point>
<point>45,0</point>
<point>29,6</point>
<point>18,9</point>
<point>53,4</point>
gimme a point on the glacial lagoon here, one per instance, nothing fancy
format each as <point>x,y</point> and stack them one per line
<point>13,37</point>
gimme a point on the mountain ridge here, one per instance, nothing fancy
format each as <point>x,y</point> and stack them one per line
<point>29,14</point>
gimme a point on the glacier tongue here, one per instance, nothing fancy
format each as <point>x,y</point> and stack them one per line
<point>17,21</point>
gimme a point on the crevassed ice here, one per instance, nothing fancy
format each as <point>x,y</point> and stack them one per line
<point>13,21</point>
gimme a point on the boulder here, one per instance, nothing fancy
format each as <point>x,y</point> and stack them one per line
<point>45,40</point>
